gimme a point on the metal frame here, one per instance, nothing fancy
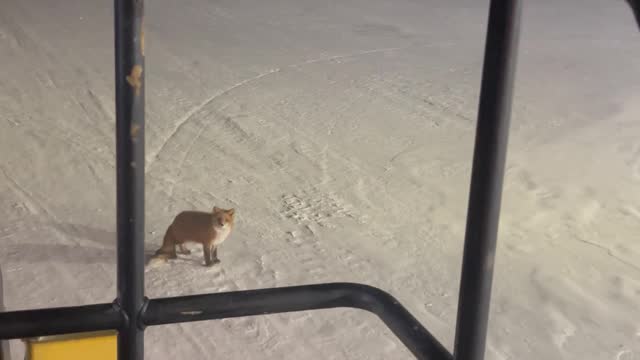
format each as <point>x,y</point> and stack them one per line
<point>487,172</point>
<point>4,345</point>
<point>635,8</point>
<point>131,312</point>
<point>129,64</point>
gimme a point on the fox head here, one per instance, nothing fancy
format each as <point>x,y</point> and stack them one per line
<point>223,217</point>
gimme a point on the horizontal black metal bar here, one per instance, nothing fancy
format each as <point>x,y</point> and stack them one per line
<point>299,298</point>
<point>63,320</point>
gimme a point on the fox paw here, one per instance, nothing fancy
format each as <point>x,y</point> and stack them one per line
<point>214,262</point>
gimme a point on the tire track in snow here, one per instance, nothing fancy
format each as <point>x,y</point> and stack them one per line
<point>153,156</point>
<point>183,120</point>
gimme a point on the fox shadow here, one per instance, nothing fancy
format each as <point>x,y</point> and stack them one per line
<point>94,246</point>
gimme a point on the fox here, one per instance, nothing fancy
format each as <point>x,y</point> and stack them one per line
<point>207,228</point>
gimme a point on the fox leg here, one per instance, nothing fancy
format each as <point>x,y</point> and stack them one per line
<point>214,255</point>
<point>207,254</point>
<point>183,250</point>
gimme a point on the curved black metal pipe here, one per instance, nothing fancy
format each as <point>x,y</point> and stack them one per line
<point>298,298</point>
<point>635,8</point>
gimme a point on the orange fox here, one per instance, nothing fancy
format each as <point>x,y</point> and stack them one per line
<point>207,228</point>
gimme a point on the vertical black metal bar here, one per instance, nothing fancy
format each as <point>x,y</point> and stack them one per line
<point>486,179</point>
<point>4,345</point>
<point>129,60</point>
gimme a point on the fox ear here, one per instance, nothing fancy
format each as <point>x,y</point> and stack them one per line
<point>231,211</point>
<point>216,209</point>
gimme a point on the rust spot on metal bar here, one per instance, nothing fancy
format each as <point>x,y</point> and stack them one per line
<point>142,36</point>
<point>191,313</point>
<point>135,128</point>
<point>134,79</point>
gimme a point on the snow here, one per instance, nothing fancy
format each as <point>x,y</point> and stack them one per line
<point>342,133</point>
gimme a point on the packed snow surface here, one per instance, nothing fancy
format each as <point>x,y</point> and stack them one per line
<point>342,133</point>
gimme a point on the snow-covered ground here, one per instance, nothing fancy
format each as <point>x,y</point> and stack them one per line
<point>341,131</point>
